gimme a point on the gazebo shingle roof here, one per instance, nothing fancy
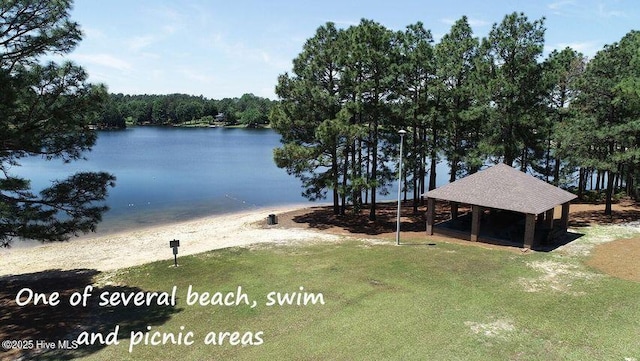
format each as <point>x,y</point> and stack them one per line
<point>503,187</point>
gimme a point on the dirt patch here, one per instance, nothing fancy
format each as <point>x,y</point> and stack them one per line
<point>493,329</point>
<point>555,277</point>
<point>618,258</point>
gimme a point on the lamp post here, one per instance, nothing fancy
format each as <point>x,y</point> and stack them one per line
<point>402,132</point>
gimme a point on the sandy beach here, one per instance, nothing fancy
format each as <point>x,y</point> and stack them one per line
<point>297,223</point>
<point>135,247</point>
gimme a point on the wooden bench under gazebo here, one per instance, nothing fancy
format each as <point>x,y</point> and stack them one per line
<point>503,188</point>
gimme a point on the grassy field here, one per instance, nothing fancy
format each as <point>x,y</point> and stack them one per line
<point>414,302</point>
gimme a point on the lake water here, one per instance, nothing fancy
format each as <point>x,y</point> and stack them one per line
<point>174,174</point>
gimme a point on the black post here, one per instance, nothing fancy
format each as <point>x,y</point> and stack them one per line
<point>175,244</point>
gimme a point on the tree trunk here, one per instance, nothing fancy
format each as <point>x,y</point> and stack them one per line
<point>454,168</point>
<point>508,160</point>
<point>345,176</point>
<point>432,170</point>
<point>416,191</point>
<point>556,170</point>
<point>629,186</point>
<point>367,174</point>
<point>423,162</point>
<point>547,166</point>
<point>416,170</point>
<point>355,173</point>
<point>404,183</point>
<point>581,182</point>
<point>609,199</point>
<point>457,148</point>
<point>335,175</point>
<point>621,173</point>
<point>374,170</point>
<point>434,155</point>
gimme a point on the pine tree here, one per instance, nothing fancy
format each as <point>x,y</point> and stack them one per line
<point>45,110</point>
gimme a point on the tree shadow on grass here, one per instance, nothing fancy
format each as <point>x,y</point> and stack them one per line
<point>323,218</point>
<point>588,218</point>
<point>413,225</point>
<point>48,323</point>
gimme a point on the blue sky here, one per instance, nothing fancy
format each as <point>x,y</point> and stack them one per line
<point>225,48</point>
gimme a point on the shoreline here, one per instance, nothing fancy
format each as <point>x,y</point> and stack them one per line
<point>150,243</point>
<point>117,226</point>
<point>135,247</point>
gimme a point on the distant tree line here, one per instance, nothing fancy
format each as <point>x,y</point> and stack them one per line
<point>472,101</point>
<point>178,109</point>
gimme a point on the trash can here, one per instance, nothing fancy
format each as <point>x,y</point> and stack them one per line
<point>272,219</point>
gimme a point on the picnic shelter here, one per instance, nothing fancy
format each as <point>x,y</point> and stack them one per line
<point>502,189</point>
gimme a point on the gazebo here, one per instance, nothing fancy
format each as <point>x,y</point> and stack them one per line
<point>502,187</point>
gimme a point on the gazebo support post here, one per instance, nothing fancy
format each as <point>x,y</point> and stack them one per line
<point>454,210</point>
<point>475,222</point>
<point>431,213</point>
<point>564,221</point>
<point>529,230</point>
<point>548,219</point>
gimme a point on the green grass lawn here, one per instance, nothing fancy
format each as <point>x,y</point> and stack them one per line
<point>418,302</point>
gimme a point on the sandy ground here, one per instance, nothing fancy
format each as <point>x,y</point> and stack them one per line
<point>296,223</point>
<point>141,246</point>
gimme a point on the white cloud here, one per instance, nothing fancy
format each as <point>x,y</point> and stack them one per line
<point>479,22</point>
<point>171,18</point>
<point>587,48</point>
<point>170,29</point>
<point>604,12</point>
<point>241,53</point>
<point>600,9</point>
<point>105,60</point>
<point>168,21</point>
<point>558,5</point>
<point>92,33</point>
<point>150,56</point>
<point>265,57</point>
<point>448,21</point>
<point>201,77</point>
<point>157,74</point>
<point>139,42</point>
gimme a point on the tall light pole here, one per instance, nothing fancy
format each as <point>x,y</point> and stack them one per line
<point>402,132</point>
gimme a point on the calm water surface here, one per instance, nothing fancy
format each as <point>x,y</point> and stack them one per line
<point>173,174</point>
